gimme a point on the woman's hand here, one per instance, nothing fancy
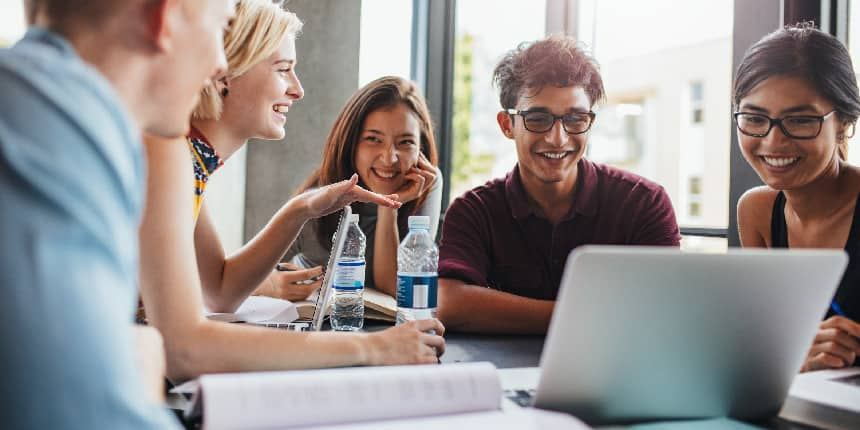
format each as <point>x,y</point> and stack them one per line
<point>331,198</point>
<point>408,343</point>
<point>836,345</point>
<point>419,179</point>
<point>295,284</point>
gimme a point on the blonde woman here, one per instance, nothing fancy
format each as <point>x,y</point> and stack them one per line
<point>182,259</point>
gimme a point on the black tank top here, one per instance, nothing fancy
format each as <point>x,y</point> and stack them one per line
<point>848,294</point>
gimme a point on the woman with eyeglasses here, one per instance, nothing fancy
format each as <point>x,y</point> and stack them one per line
<point>796,105</point>
<point>383,134</point>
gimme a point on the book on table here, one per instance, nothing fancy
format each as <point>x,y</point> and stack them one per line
<point>825,398</point>
<point>453,395</point>
<point>377,306</point>
<point>262,310</point>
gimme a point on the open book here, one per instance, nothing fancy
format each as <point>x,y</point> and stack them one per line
<point>377,306</point>
<point>453,394</point>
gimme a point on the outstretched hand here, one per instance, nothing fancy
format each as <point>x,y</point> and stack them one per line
<point>331,198</point>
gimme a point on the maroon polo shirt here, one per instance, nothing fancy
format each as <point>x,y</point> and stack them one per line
<point>492,237</point>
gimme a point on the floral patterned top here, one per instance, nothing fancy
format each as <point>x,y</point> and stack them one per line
<point>205,161</point>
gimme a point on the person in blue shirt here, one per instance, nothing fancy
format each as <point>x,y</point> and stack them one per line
<point>75,94</point>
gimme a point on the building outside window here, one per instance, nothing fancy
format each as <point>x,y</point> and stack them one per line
<point>480,151</point>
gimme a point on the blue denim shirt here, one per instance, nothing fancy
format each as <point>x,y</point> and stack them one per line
<point>71,195</point>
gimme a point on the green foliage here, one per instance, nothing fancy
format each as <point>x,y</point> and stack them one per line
<point>465,164</point>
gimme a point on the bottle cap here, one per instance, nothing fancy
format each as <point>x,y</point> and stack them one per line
<point>353,218</point>
<point>419,222</point>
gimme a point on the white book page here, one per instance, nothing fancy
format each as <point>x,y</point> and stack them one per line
<point>522,419</point>
<point>264,400</point>
<point>258,309</point>
<point>825,387</point>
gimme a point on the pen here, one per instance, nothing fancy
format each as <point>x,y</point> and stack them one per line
<point>836,309</point>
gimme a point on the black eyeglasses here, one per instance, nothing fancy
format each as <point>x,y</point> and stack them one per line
<point>542,122</point>
<point>793,126</point>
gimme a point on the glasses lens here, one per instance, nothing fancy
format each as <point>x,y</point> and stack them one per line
<point>801,126</point>
<point>753,124</point>
<point>577,123</point>
<point>538,122</point>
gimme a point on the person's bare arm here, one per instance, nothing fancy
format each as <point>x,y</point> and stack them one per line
<point>171,291</point>
<point>227,281</point>
<point>385,244</point>
<point>470,308</point>
<point>150,360</point>
<point>754,216</point>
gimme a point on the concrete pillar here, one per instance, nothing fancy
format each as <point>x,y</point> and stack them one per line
<point>327,55</point>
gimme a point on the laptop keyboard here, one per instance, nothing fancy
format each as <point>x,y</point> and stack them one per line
<point>524,398</point>
<point>292,326</point>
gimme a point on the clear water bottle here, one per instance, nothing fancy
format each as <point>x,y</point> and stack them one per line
<point>347,308</point>
<point>417,265</point>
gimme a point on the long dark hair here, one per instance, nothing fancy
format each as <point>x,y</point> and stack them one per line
<point>804,52</point>
<point>338,161</point>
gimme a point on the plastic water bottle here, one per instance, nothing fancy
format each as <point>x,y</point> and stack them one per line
<point>347,309</point>
<point>417,265</point>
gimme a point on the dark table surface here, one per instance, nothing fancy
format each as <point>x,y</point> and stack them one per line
<point>507,351</point>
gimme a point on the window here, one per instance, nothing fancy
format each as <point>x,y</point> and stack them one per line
<point>620,138</point>
<point>660,81</point>
<point>694,197</point>
<point>480,151</point>
<point>854,50</point>
<point>385,47</point>
<point>12,23</point>
<point>696,105</point>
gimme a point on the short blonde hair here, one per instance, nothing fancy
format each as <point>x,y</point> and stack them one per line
<point>257,31</point>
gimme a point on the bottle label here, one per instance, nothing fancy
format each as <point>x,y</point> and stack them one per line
<point>416,292</point>
<point>349,275</point>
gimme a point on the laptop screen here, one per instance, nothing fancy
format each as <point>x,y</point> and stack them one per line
<point>328,276</point>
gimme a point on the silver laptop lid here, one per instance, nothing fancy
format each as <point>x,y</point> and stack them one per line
<point>328,276</point>
<point>647,333</point>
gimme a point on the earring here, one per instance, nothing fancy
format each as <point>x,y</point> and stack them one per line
<point>224,92</point>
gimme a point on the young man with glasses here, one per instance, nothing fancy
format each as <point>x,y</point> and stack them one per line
<point>504,244</point>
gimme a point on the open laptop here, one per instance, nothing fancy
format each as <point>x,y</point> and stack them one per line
<point>323,296</point>
<point>644,333</point>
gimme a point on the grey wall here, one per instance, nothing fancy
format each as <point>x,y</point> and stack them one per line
<point>752,20</point>
<point>327,54</point>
